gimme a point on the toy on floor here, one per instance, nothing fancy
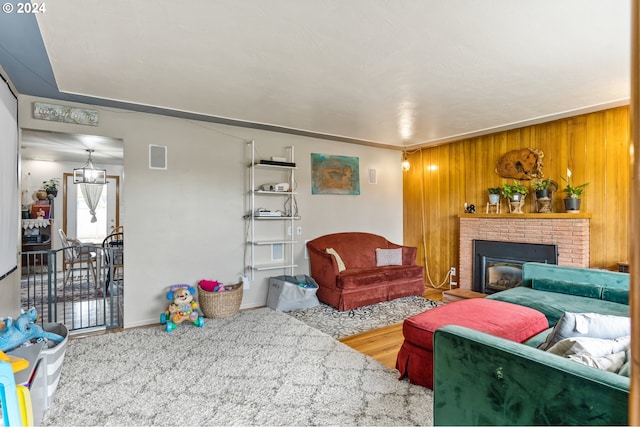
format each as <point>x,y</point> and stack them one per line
<point>15,399</point>
<point>17,363</point>
<point>183,308</point>
<point>23,329</point>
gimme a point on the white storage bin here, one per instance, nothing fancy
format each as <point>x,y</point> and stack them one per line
<point>286,294</point>
<point>53,358</point>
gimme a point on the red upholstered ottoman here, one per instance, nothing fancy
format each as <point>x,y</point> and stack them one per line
<point>510,321</point>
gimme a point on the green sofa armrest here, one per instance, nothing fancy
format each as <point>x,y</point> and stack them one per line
<point>480,379</point>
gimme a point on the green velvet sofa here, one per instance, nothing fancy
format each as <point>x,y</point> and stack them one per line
<point>480,379</point>
<point>554,289</point>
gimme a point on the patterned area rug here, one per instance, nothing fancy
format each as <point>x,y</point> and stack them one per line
<point>34,290</point>
<point>258,367</point>
<point>340,324</point>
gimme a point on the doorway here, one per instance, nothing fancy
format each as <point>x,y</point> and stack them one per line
<point>83,295</point>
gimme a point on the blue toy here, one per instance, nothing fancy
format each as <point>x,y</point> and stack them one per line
<point>22,330</point>
<point>182,308</point>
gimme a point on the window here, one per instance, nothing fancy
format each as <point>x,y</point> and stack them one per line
<point>88,231</point>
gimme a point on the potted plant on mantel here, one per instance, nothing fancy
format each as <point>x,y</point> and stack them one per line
<point>572,201</point>
<point>541,187</point>
<point>516,193</point>
<point>544,189</point>
<point>51,187</point>
<point>494,195</point>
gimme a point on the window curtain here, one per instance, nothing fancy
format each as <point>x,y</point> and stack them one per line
<point>91,194</point>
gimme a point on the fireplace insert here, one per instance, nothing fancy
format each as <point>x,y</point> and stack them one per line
<point>497,266</point>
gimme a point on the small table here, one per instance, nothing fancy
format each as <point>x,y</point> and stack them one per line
<point>458,294</point>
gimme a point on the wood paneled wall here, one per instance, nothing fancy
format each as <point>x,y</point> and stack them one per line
<point>595,147</point>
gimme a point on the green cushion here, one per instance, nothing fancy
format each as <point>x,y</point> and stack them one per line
<point>554,304</point>
<point>565,287</point>
<point>616,295</point>
<point>604,278</point>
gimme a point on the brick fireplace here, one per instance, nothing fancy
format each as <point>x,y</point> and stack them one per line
<point>570,232</point>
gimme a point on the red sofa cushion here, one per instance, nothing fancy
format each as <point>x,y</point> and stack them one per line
<point>510,321</point>
<point>357,249</point>
<point>354,278</point>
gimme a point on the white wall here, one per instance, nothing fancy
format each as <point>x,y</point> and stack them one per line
<point>185,224</point>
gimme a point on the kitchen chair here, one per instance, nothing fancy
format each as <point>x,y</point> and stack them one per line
<point>113,249</point>
<point>77,257</point>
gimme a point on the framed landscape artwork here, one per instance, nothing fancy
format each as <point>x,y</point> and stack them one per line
<point>335,174</point>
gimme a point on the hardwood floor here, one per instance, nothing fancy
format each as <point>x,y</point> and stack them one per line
<point>383,344</point>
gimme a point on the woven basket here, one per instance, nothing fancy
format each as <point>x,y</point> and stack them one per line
<point>220,304</point>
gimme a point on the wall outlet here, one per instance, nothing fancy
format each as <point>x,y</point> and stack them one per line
<point>299,231</point>
<point>453,271</point>
<point>245,282</point>
<point>289,231</point>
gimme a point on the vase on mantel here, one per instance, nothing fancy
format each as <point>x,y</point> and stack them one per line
<point>516,202</point>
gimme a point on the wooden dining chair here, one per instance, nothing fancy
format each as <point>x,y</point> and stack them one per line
<point>76,257</point>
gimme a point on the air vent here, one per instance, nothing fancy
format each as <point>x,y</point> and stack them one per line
<point>157,157</point>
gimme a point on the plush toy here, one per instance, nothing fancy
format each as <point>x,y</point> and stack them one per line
<point>182,308</point>
<point>22,330</point>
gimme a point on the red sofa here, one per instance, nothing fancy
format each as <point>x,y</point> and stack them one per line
<point>365,278</point>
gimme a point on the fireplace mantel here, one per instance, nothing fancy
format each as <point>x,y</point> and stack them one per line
<point>570,232</point>
<point>527,215</point>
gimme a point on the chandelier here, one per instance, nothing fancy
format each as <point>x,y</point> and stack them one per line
<point>88,174</point>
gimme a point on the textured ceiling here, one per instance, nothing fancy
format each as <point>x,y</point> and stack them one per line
<point>402,73</point>
<point>64,147</point>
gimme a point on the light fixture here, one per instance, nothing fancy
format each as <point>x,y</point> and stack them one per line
<point>405,162</point>
<point>88,174</point>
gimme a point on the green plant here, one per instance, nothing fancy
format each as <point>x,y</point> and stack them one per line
<point>574,192</point>
<point>541,184</point>
<point>494,190</point>
<point>51,184</point>
<point>509,190</point>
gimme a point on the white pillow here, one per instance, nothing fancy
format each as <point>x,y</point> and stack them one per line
<point>587,325</point>
<point>594,347</point>
<point>332,251</point>
<point>388,257</point>
<point>611,363</point>
<point>626,368</point>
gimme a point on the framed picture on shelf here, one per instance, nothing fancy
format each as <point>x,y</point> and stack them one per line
<point>40,211</point>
